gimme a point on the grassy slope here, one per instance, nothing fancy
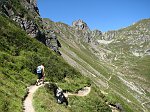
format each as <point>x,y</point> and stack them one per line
<point>19,56</point>
<point>135,69</point>
<point>113,84</point>
<point>117,89</point>
<point>94,102</point>
<point>130,65</point>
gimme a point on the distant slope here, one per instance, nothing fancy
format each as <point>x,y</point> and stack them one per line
<point>110,60</point>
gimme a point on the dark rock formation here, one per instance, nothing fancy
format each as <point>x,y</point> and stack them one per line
<point>84,31</point>
<point>27,22</point>
<point>28,25</point>
<point>52,41</point>
<point>32,5</point>
<point>51,38</point>
<point>27,16</point>
<point>7,8</point>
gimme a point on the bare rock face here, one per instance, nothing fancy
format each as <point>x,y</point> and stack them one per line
<point>28,25</point>
<point>82,30</point>
<point>27,16</point>
<point>22,19</point>
<point>52,41</point>
<point>80,25</point>
<point>8,9</point>
<point>32,5</point>
<point>51,38</point>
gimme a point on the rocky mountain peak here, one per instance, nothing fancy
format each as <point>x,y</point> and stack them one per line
<point>80,25</point>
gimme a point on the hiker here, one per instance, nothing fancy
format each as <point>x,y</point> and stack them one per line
<point>40,73</point>
<point>60,96</point>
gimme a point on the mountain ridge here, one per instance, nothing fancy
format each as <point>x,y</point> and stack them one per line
<point>114,49</point>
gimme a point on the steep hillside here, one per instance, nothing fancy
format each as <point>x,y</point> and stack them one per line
<point>26,14</point>
<point>22,49</point>
<point>117,61</point>
<point>19,56</point>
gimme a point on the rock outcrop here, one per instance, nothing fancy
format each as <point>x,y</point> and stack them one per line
<point>82,30</point>
<point>26,14</point>
<point>80,25</point>
<point>28,25</point>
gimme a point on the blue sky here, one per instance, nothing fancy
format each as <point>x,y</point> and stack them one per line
<point>103,15</point>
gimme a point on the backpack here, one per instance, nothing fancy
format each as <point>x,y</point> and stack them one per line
<point>39,69</point>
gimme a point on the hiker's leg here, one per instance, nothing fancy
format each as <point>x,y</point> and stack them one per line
<point>43,80</point>
<point>37,81</point>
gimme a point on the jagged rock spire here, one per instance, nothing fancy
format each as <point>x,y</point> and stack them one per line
<point>80,25</point>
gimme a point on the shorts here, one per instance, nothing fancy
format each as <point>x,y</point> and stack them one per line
<point>40,75</point>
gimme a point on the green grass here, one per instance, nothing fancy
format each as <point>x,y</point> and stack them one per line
<point>120,87</point>
<point>126,63</point>
<point>89,58</point>
<point>44,101</point>
<point>94,102</point>
<point>142,67</point>
<point>113,97</point>
<point>19,57</point>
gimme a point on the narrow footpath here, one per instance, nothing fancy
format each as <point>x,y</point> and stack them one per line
<point>84,92</point>
<point>28,106</point>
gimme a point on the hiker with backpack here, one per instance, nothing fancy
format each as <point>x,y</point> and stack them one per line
<point>41,74</point>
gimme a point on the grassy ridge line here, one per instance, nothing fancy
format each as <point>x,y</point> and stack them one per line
<point>19,56</point>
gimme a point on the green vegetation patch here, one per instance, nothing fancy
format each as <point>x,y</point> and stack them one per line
<point>142,67</point>
<point>45,101</point>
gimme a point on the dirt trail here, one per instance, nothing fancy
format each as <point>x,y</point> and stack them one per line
<point>84,92</point>
<point>28,107</point>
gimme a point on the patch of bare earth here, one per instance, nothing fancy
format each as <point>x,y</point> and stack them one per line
<point>83,92</point>
<point>28,106</point>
